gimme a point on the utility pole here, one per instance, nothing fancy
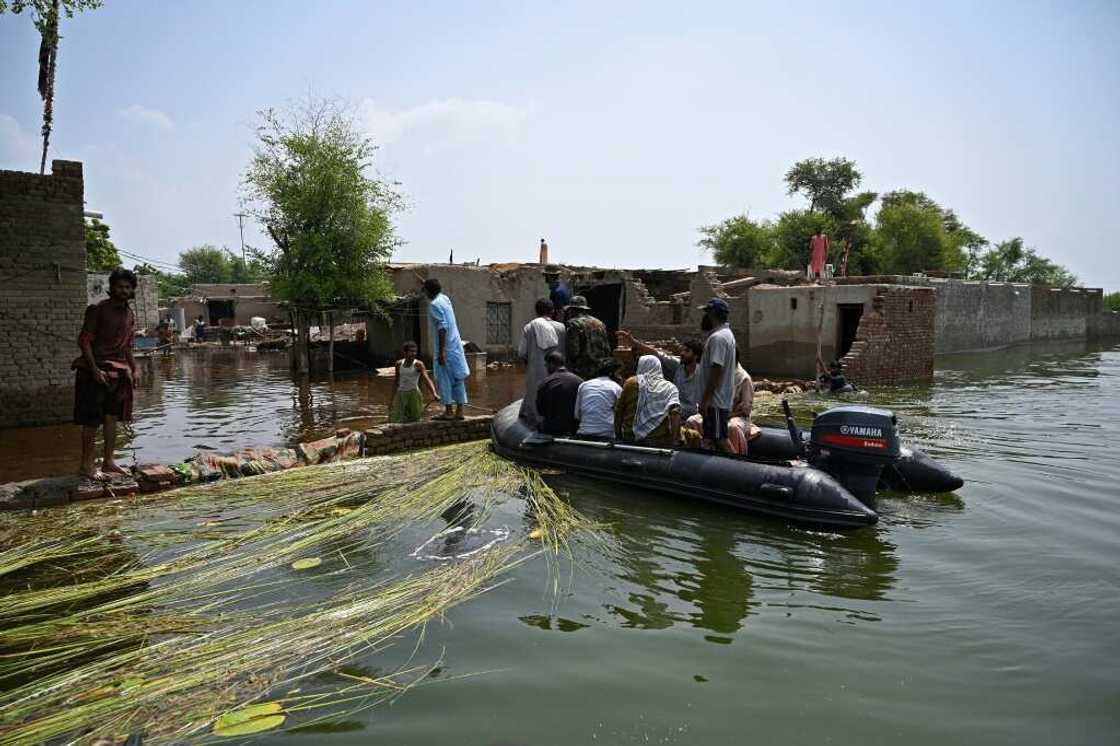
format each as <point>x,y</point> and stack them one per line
<point>241,227</point>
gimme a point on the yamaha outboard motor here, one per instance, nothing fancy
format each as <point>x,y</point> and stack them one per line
<point>854,444</point>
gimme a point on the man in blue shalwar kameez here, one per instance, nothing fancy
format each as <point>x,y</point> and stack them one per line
<point>449,364</point>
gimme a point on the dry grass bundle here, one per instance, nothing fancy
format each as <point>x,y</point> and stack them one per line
<point>181,629</point>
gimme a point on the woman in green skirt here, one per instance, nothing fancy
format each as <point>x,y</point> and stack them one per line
<point>408,404</point>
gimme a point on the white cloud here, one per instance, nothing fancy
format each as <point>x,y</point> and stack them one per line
<point>138,114</point>
<point>442,120</point>
<point>19,148</point>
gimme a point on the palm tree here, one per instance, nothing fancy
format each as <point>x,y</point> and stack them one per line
<point>46,23</point>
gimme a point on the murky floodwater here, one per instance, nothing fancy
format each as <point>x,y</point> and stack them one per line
<point>226,399</point>
<point>989,616</point>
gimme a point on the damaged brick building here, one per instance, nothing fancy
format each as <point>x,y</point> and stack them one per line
<point>884,329</point>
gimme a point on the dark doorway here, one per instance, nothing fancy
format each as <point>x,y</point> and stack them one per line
<point>219,309</point>
<point>849,314</point>
<point>604,301</point>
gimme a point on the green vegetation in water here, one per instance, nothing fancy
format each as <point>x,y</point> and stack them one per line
<point>117,620</point>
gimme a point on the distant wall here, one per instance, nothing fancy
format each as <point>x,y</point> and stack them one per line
<point>987,315</point>
<point>1058,313</point>
<point>43,265</point>
<point>981,315</point>
<point>145,303</point>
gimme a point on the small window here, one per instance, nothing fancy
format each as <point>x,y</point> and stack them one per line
<point>793,304</point>
<point>498,317</point>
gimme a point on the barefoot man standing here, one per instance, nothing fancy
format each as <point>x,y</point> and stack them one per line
<point>106,372</point>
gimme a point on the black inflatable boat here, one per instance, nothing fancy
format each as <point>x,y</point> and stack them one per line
<point>828,478</point>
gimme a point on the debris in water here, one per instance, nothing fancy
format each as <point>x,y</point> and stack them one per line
<point>306,563</point>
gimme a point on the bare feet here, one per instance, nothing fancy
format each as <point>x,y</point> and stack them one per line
<point>111,468</point>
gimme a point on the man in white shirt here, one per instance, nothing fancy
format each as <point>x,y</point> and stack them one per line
<point>595,402</point>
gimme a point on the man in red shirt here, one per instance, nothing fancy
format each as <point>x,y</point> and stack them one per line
<point>818,254</point>
<point>106,372</point>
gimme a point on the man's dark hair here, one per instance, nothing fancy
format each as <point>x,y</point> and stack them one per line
<point>608,367</point>
<point>544,307</point>
<point>120,273</point>
<point>432,287</point>
<point>718,314</point>
<point>554,360</point>
<point>410,343</point>
<point>696,346</point>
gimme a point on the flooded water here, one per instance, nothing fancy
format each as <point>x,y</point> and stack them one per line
<point>225,399</point>
<point>989,616</point>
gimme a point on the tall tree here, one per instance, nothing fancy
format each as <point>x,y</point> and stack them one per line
<point>910,243</point>
<point>1011,261</point>
<point>205,263</point>
<point>309,184</point>
<point>739,241</point>
<point>101,253</point>
<point>824,183</point>
<point>46,16</point>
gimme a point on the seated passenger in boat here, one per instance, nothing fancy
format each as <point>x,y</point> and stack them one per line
<point>595,401</point>
<point>648,411</point>
<point>556,397</point>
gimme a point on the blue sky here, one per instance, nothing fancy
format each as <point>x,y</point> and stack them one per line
<point>613,129</point>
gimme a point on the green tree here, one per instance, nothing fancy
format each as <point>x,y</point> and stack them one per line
<point>1011,261</point>
<point>825,184</point>
<point>205,263</point>
<point>249,270</point>
<point>101,253</point>
<point>915,234</point>
<point>791,235</point>
<point>308,183</point>
<point>739,241</point>
<point>910,238</point>
<point>46,17</point>
<point>1112,301</point>
<point>170,284</point>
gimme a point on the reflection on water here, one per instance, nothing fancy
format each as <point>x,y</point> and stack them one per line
<point>692,564</point>
<point>224,399</point>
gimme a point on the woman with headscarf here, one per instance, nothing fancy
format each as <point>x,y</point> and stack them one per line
<point>540,336</point>
<point>648,411</point>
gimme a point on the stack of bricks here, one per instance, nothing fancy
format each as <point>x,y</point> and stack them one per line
<point>42,263</point>
<point>397,437</point>
<point>895,341</point>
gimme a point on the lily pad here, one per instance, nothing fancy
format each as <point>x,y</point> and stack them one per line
<point>306,563</point>
<point>252,719</point>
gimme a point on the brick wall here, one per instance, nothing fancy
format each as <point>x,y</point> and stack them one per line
<point>145,304</point>
<point>42,265</point>
<point>396,437</point>
<point>895,341</point>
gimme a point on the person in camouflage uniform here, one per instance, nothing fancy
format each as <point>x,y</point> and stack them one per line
<point>588,342</point>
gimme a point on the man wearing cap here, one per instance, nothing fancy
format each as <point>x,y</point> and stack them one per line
<point>718,366</point>
<point>588,343</point>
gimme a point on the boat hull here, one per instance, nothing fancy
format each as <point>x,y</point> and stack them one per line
<point>798,493</point>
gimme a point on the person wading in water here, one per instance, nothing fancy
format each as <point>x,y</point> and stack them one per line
<point>106,373</point>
